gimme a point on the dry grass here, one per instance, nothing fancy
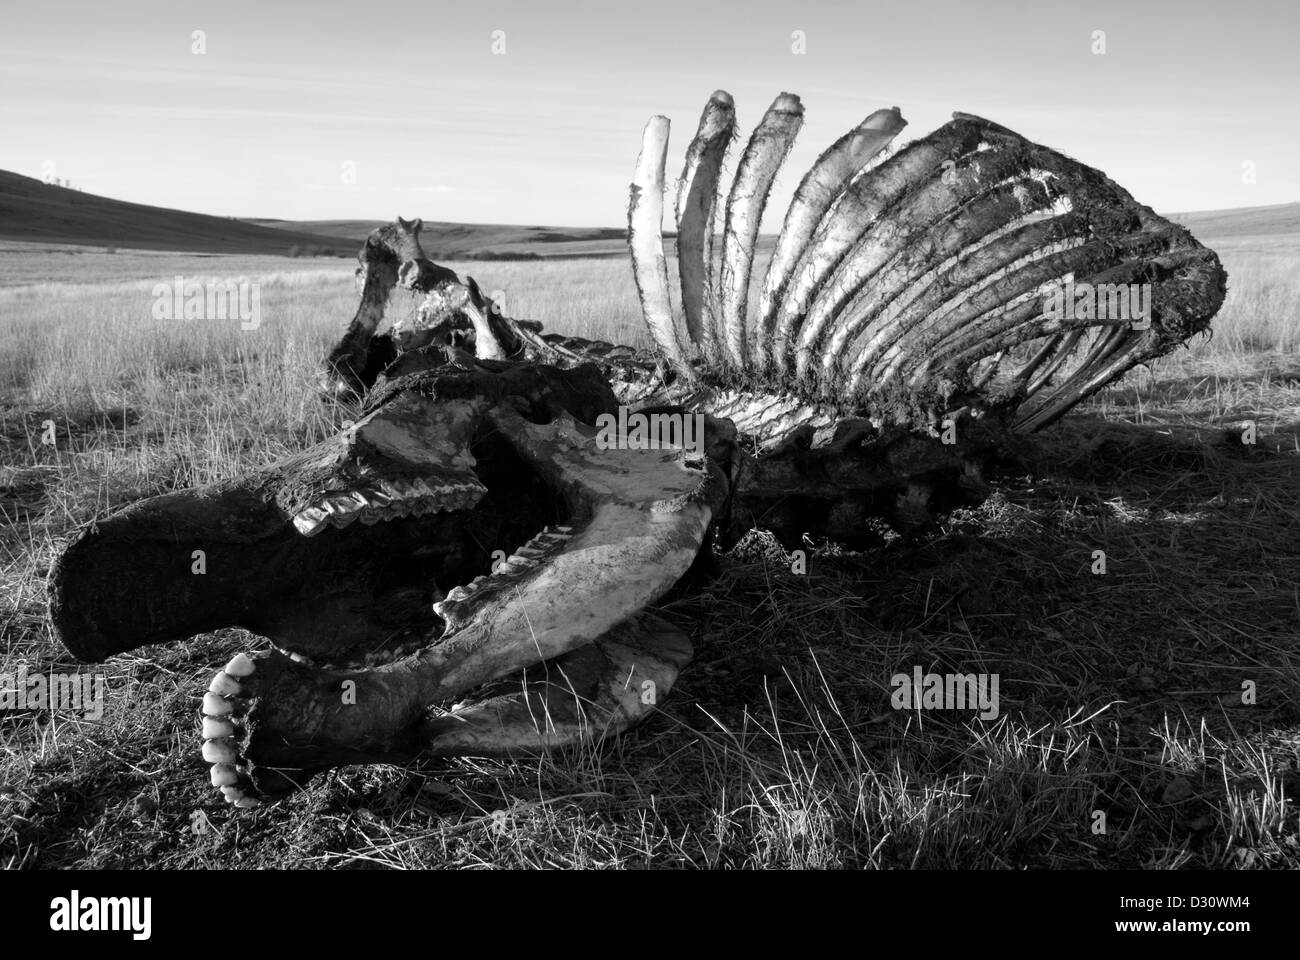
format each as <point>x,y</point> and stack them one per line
<point>779,747</point>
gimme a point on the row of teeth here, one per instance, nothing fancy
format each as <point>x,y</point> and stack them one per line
<point>218,726</point>
<point>219,731</point>
<point>373,658</point>
<point>391,500</point>
<point>453,608</point>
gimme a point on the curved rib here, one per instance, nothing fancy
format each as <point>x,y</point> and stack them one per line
<point>821,185</point>
<point>696,198</point>
<point>1109,261</point>
<point>762,158</point>
<point>858,207</point>
<point>894,232</point>
<point>869,317</point>
<point>1046,363</point>
<point>979,315</point>
<point>645,209</point>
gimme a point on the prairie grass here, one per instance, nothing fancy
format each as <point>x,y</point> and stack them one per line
<point>1120,694</point>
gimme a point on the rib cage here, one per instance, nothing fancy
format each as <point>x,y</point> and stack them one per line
<point>916,287</point>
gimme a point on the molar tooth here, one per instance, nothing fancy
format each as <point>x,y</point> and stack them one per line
<point>345,503</point>
<point>397,489</point>
<point>311,521</point>
<point>342,516</point>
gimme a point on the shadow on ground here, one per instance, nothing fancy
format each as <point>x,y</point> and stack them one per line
<point>1147,714</point>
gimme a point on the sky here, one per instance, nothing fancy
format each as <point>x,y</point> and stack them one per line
<point>516,111</point>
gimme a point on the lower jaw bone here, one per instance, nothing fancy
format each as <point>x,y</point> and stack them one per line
<point>559,630</point>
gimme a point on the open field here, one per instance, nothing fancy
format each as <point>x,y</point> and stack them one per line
<point>1120,693</point>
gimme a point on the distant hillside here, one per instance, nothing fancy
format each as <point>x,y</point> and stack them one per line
<point>39,212</point>
<point>449,241</point>
<point>36,212</point>
<point>1242,221</point>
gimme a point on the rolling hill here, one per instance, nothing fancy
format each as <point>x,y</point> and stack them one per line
<point>37,212</point>
<point>451,241</point>
<point>1281,218</point>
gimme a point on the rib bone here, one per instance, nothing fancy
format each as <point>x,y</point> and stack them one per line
<point>762,158</point>
<point>905,222</point>
<point>645,224</point>
<point>820,187</point>
<point>696,198</point>
<point>871,314</point>
<point>858,207</point>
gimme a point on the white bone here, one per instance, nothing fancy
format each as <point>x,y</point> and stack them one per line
<point>697,195</point>
<point>820,187</point>
<point>645,238</point>
<point>763,156</point>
